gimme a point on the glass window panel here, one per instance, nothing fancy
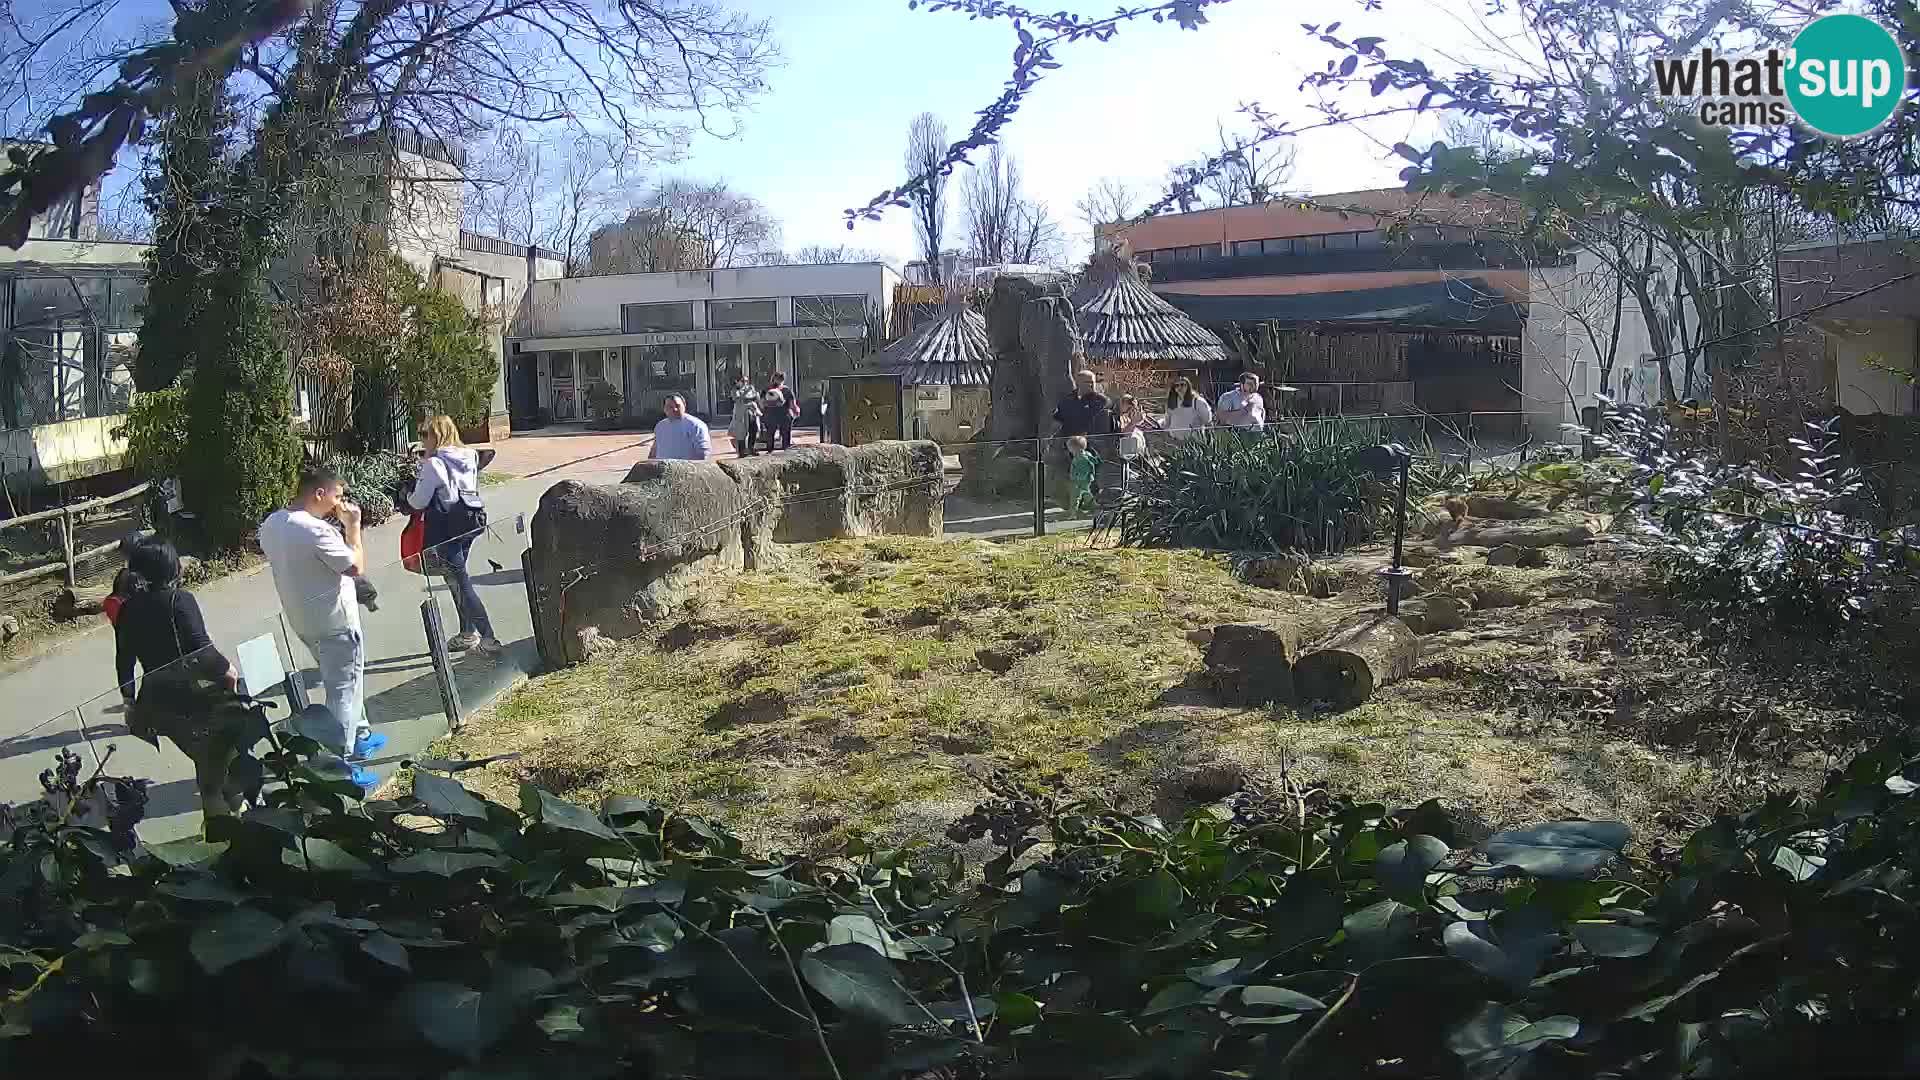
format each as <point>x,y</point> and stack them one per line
<point>1372,240</point>
<point>736,314</point>
<point>1309,243</point>
<point>844,310</point>
<point>591,366</point>
<point>1246,247</point>
<point>1341,242</point>
<point>655,318</point>
<point>45,301</point>
<point>1281,246</point>
<point>560,365</point>
<point>126,304</point>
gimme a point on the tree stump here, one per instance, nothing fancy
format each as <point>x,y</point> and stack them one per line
<point>80,602</point>
<point>1249,664</point>
<point>1361,655</point>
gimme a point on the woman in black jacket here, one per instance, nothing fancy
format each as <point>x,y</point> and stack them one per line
<point>188,688</point>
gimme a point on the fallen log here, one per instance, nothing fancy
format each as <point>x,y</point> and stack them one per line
<point>1363,654</point>
<point>1249,664</point>
<point>1525,536</point>
<point>1501,508</point>
<point>80,602</point>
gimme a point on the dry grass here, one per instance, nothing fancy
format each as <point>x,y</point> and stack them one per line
<point>863,687</point>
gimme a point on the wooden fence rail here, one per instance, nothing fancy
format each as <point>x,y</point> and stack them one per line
<point>69,558</point>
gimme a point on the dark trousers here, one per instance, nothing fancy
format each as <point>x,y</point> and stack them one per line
<point>779,425</point>
<point>466,601</point>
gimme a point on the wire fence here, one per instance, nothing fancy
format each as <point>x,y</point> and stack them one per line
<point>416,685</point>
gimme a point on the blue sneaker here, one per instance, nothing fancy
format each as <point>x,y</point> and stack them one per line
<point>365,778</point>
<point>367,745</point>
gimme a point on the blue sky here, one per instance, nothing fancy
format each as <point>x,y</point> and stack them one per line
<point>831,132</point>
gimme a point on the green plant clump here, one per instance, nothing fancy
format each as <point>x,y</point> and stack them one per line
<point>443,934</point>
<point>156,430</point>
<point>1290,487</point>
<point>370,479</point>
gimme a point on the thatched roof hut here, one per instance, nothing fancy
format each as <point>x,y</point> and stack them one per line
<point>1123,320</point>
<point>951,350</point>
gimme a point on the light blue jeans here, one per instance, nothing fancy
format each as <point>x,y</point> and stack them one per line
<point>342,657</point>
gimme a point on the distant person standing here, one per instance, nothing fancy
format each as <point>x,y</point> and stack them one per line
<point>1243,407</point>
<point>779,407</point>
<point>1087,414</point>
<point>314,565</point>
<point>447,487</point>
<point>1188,413</point>
<point>681,436</point>
<point>744,426</point>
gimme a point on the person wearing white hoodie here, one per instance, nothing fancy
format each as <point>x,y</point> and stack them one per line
<point>447,484</point>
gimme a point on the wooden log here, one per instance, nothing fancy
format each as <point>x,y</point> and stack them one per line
<point>1500,508</point>
<point>80,507</point>
<point>1252,664</point>
<point>1526,536</point>
<point>75,603</point>
<point>1360,656</point>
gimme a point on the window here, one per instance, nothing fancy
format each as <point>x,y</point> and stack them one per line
<point>1309,243</point>
<point>1424,234</point>
<point>1246,247</point>
<point>1282,246</point>
<point>366,213</point>
<point>1341,241</point>
<point>738,314</point>
<point>655,318</point>
<point>850,310</point>
<point>1146,256</point>
<point>653,372</point>
<point>560,366</point>
<point>1454,234</point>
<point>1372,240</point>
<point>814,362</point>
<point>591,365</point>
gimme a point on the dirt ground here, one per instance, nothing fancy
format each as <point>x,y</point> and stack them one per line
<point>865,687</point>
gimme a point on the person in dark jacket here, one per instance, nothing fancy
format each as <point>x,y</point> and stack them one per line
<point>778,407</point>
<point>1087,413</point>
<point>188,688</point>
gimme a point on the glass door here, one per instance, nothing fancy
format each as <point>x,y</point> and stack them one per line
<point>727,365</point>
<point>566,398</point>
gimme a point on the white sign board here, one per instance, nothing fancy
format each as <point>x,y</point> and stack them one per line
<point>933,398</point>
<point>259,662</point>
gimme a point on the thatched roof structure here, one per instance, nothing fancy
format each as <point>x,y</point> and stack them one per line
<point>951,350</point>
<point>1121,319</point>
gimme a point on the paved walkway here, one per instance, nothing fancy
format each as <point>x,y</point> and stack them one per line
<point>66,698</point>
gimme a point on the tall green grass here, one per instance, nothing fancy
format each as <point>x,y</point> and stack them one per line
<point>1296,486</point>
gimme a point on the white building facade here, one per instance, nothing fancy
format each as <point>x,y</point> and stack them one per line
<point>645,336</point>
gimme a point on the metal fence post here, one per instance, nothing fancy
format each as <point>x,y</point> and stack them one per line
<point>1039,494</point>
<point>442,662</point>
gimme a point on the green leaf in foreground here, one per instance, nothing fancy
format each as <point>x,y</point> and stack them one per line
<point>235,936</point>
<point>1402,868</point>
<point>1559,849</point>
<point>859,982</point>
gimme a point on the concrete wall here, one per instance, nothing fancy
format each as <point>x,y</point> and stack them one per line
<point>965,417</point>
<point>75,253</point>
<point>1569,324</point>
<point>1283,219</point>
<point>588,305</point>
<point>57,453</point>
<point>1867,357</point>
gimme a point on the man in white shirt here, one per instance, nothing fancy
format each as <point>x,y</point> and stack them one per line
<point>314,565</point>
<point>681,436</point>
<point>1242,406</point>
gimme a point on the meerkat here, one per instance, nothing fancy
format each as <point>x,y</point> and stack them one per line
<point>1456,509</point>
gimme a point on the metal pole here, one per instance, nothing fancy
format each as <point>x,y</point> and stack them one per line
<point>1397,573</point>
<point>1039,493</point>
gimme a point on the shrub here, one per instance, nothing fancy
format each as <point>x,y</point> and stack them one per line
<point>451,367</point>
<point>1304,936</point>
<point>156,430</point>
<point>241,452</point>
<point>1291,487</point>
<point>369,480</point>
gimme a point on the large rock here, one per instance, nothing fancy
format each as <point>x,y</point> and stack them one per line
<point>606,561</point>
<point>1031,327</point>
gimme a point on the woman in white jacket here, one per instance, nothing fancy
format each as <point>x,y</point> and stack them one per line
<point>1188,413</point>
<point>449,471</point>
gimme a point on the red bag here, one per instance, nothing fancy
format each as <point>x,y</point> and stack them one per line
<point>413,540</point>
<point>111,606</point>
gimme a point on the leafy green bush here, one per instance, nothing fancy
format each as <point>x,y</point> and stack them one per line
<point>604,402</point>
<point>450,366</point>
<point>1756,554</point>
<point>1302,936</point>
<point>1290,487</point>
<point>241,453</point>
<point>370,478</point>
<point>156,431</point>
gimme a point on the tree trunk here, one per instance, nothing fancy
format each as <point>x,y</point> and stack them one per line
<point>1526,536</point>
<point>1364,654</point>
<point>1253,665</point>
